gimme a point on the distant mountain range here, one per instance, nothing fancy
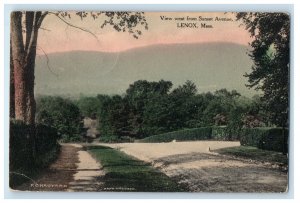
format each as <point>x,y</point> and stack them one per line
<point>210,66</point>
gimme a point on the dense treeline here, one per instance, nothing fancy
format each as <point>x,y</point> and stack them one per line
<point>150,108</point>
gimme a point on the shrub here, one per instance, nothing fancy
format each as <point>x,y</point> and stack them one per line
<point>181,135</point>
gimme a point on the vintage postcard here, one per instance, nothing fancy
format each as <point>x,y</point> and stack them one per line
<point>149,101</point>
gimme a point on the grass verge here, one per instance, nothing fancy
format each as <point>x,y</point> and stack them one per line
<point>255,154</point>
<point>125,173</point>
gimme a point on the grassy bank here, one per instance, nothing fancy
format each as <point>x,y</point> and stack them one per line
<point>125,173</point>
<point>255,154</point>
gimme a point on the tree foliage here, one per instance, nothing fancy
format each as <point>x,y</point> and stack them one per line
<point>150,108</point>
<point>61,114</point>
<point>271,56</point>
<point>88,106</point>
<point>131,22</point>
<point>140,95</point>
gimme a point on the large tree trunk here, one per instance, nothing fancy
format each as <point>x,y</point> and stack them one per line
<point>12,88</point>
<point>23,61</point>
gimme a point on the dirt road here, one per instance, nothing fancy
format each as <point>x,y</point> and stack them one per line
<point>57,176</point>
<point>194,165</point>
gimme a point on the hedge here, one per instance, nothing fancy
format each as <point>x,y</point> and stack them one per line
<point>181,135</point>
<point>30,147</point>
<point>204,133</point>
<point>20,155</point>
<point>46,142</point>
<point>273,139</point>
<point>224,133</point>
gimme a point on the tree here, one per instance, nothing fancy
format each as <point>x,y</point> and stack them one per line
<point>186,90</point>
<point>160,116</point>
<point>218,107</point>
<point>61,114</point>
<point>182,98</point>
<point>88,106</point>
<point>23,51</point>
<point>271,55</point>
<point>144,89</point>
<point>114,118</point>
<point>24,34</point>
<point>139,94</point>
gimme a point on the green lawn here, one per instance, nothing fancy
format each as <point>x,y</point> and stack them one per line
<point>125,173</point>
<point>255,154</point>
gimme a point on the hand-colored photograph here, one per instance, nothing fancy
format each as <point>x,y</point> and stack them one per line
<point>149,101</point>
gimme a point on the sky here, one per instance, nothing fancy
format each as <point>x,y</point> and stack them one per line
<point>57,36</point>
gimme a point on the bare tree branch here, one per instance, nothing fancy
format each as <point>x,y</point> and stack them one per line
<point>47,61</point>
<point>45,29</point>
<point>29,15</point>
<point>74,26</point>
<point>42,18</point>
<point>34,32</point>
